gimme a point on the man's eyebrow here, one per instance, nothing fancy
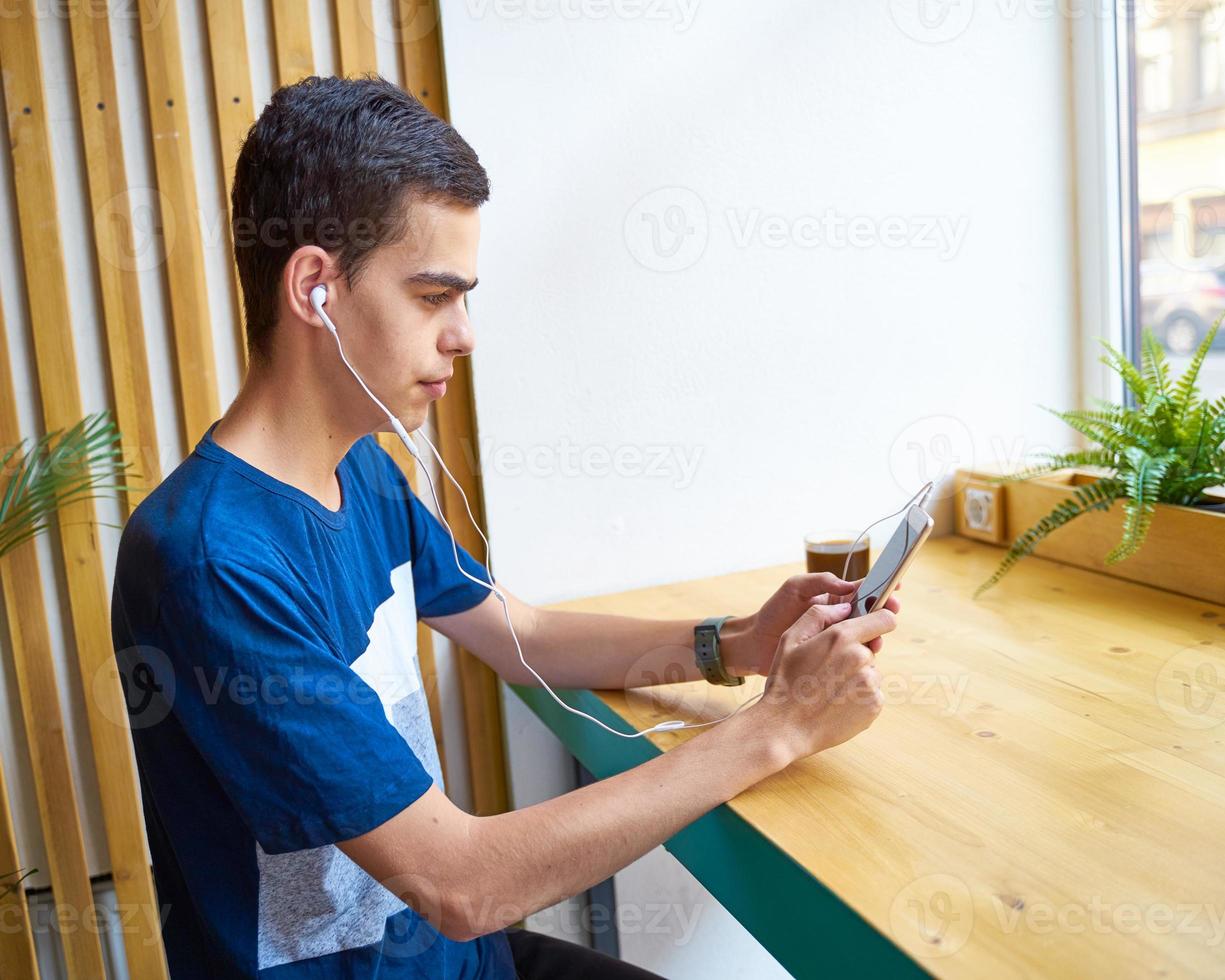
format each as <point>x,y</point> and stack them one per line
<point>447,279</point>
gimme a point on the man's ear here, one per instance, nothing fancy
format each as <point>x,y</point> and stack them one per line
<point>308,266</point>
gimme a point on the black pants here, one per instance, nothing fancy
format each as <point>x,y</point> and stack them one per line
<point>539,957</point>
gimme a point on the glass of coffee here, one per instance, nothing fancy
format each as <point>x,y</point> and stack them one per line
<point>826,551</point>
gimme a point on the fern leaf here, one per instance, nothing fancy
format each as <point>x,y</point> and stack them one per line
<point>1143,484</point>
<point>1113,430</point>
<point>1122,366</point>
<point>1163,414</point>
<point>64,466</point>
<point>1189,489</point>
<point>1062,461</point>
<point>1153,365</point>
<point>1185,390</point>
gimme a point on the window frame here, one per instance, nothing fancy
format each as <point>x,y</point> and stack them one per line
<point>1103,111</point>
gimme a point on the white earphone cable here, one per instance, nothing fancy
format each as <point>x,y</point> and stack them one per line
<point>318,297</point>
<point>924,490</point>
<point>662,726</point>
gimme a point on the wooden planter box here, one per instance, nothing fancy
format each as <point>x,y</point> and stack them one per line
<point>1183,552</point>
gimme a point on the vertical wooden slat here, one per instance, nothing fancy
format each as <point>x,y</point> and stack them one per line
<point>358,56</point>
<point>16,937</point>
<point>455,421</point>
<point>169,127</point>
<point>59,393</point>
<point>295,56</point>
<point>355,38</point>
<point>421,53</point>
<point>30,642</point>
<point>113,245</point>
<point>37,685</point>
<point>58,813</point>
<point>235,109</point>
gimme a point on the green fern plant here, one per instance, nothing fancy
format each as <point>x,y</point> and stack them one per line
<point>1168,449</point>
<point>80,462</point>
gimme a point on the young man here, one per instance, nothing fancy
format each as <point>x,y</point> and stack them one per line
<point>267,595</point>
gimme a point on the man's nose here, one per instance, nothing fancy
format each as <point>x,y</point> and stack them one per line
<point>459,339</point>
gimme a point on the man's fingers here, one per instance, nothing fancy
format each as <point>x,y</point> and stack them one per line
<point>818,617</point>
<point>830,598</point>
<point>814,583</point>
<point>871,625</point>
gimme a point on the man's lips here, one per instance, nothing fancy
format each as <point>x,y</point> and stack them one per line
<point>437,388</point>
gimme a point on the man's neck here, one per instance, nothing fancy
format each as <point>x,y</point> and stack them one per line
<point>284,428</point>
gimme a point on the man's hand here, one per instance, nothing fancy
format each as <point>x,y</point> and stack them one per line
<point>749,642</point>
<point>823,687</point>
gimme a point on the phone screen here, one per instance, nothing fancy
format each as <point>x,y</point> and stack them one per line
<point>892,561</point>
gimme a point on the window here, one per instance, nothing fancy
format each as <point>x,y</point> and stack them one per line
<point>1155,68</point>
<point>1173,138</point>
<point>1212,51</point>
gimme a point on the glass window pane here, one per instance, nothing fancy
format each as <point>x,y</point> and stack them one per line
<point>1180,176</point>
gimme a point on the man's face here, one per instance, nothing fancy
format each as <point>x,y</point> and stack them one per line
<point>405,321</point>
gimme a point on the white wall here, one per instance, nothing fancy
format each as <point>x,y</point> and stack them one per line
<point>813,384</point>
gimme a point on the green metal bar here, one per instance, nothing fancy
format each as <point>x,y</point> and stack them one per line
<point>803,924</point>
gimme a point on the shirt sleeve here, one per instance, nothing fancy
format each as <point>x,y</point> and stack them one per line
<point>298,740</point>
<point>438,586</point>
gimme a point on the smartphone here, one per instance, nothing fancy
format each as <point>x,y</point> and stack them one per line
<point>887,570</point>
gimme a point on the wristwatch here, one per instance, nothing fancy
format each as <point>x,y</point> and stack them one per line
<point>706,652</point>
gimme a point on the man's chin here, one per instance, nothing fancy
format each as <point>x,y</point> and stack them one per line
<point>411,420</point>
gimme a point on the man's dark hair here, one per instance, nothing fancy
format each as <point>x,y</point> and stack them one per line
<point>337,162</point>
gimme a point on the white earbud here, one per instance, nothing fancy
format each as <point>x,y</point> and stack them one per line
<point>319,296</point>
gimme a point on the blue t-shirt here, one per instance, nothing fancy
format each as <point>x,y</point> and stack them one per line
<point>268,649</point>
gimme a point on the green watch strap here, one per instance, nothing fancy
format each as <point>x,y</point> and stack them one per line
<point>707,654</point>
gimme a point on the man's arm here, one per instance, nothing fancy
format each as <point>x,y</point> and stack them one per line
<point>472,875</point>
<point>585,650</point>
<point>604,652</point>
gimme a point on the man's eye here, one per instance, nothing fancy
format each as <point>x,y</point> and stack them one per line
<point>437,299</point>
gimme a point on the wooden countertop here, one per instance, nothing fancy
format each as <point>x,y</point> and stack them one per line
<point>1044,793</point>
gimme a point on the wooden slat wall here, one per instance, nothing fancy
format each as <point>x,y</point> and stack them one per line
<point>354,36</point>
<point>44,727</point>
<point>171,134</point>
<point>16,940</point>
<point>235,112</point>
<point>455,421</point>
<point>98,104</point>
<point>59,392</point>
<point>295,58</point>
<point>123,323</point>
<point>20,575</point>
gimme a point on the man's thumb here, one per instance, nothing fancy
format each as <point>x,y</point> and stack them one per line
<point>817,617</point>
